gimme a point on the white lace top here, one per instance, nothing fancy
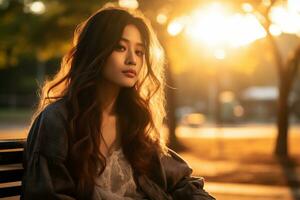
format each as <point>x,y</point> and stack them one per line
<point>116,182</point>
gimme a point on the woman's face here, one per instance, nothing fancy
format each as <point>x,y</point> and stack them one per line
<point>123,66</point>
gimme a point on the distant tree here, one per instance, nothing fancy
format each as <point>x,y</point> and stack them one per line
<point>45,35</point>
<point>286,70</point>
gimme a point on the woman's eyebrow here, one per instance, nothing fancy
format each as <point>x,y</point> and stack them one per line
<point>137,43</point>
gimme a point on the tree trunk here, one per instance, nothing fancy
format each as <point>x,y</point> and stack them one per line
<point>281,148</point>
<point>285,83</point>
<point>287,77</point>
<point>171,117</point>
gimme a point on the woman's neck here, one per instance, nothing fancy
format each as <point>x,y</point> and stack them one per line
<point>108,95</point>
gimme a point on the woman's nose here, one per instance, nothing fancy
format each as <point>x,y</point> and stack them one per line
<point>130,58</point>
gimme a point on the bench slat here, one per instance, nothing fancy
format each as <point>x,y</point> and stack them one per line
<point>11,157</point>
<point>11,175</point>
<point>11,170</point>
<point>12,144</point>
<point>10,191</point>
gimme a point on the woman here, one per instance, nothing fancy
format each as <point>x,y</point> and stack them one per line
<point>96,134</point>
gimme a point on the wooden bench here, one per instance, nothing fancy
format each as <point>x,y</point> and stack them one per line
<point>11,169</point>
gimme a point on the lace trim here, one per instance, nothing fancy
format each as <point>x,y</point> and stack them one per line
<point>116,181</point>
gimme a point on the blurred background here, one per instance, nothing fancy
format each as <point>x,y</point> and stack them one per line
<point>233,83</point>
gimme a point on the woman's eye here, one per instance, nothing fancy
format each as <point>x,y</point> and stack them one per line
<point>120,48</point>
<point>140,53</point>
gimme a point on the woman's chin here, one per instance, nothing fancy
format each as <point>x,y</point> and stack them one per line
<point>127,84</point>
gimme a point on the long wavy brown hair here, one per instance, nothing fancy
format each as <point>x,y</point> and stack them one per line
<point>140,109</point>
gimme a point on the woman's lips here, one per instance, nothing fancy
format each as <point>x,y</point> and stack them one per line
<point>129,73</point>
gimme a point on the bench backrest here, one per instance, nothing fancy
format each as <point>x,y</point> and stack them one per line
<point>11,169</point>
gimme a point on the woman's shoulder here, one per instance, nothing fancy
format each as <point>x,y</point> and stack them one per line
<point>55,109</point>
<point>48,133</point>
<point>53,116</point>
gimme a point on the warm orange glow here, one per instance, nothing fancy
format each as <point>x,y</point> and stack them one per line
<point>133,4</point>
<point>161,18</point>
<point>266,2</point>
<point>215,27</point>
<point>175,27</point>
<point>247,7</point>
<point>220,54</point>
<point>227,97</point>
<point>215,30</point>
<point>238,111</point>
<point>294,5</point>
<point>206,24</point>
<point>245,30</point>
<point>286,18</point>
<point>275,30</point>
<point>193,119</point>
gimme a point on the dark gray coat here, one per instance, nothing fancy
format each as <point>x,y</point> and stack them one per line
<point>47,174</point>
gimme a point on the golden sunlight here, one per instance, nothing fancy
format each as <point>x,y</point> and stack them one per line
<point>294,5</point>
<point>215,27</point>
<point>227,97</point>
<point>287,17</point>
<point>243,30</point>
<point>132,4</point>
<point>206,24</point>
<point>275,30</point>
<point>175,26</point>
<point>219,54</point>
<point>161,18</point>
<point>247,7</point>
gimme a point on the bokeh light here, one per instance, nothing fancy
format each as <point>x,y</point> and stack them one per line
<point>227,97</point>
<point>37,7</point>
<point>175,26</point>
<point>132,4</point>
<point>247,7</point>
<point>205,25</point>
<point>161,18</point>
<point>275,30</point>
<point>288,20</point>
<point>238,111</point>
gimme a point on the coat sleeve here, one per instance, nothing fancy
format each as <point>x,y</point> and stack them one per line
<point>181,184</point>
<point>46,175</point>
<point>190,187</point>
